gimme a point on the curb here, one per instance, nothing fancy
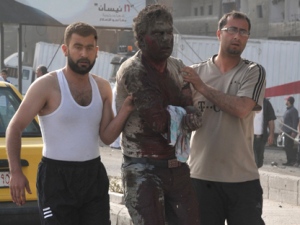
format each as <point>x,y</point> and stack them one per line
<point>119,215</point>
<point>118,212</point>
<point>280,188</point>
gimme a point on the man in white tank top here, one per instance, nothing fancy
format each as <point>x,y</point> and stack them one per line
<point>74,109</point>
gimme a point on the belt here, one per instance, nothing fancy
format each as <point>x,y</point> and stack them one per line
<point>258,136</point>
<point>166,163</point>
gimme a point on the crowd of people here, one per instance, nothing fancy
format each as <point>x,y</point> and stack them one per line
<point>192,136</point>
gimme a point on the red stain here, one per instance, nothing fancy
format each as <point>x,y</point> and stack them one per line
<point>149,40</point>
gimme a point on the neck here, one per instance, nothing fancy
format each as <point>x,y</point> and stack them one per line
<point>75,77</point>
<point>160,66</point>
<point>226,63</point>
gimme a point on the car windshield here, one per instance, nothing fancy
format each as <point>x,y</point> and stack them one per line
<point>9,103</point>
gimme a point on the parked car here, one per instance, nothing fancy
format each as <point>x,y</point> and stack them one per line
<point>31,154</point>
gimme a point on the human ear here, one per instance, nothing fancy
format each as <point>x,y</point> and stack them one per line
<point>65,49</point>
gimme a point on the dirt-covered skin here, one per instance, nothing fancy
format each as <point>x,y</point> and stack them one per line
<point>154,80</point>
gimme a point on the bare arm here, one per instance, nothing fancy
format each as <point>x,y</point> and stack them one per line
<point>271,126</point>
<point>32,103</point>
<point>234,105</point>
<point>110,126</point>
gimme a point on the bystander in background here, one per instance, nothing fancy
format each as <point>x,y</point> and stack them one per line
<point>263,131</point>
<point>289,128</point>
<point>4,74</point>
<point>297,164</point>
<point>40,71</point>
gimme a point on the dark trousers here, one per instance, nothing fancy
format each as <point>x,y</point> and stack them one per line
<point>298,153</point>
<point>157,196</point>
<point>238,203</point>
<point>259,150</point>
<point>290,151</point>
<point>73,193</point>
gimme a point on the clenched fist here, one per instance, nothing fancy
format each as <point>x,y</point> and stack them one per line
<point>192,120</point>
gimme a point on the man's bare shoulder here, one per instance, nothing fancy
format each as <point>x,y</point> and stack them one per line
<point>45,92</point>
<point>100,80</point>
<point>103,85</point>
<point>46,82</point>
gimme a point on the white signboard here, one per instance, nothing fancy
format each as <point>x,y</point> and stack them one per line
<point>99,13</point>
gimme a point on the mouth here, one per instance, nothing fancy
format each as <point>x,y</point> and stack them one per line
<point>164,49</point>
<point>83,63</point>
<point>235,44</point>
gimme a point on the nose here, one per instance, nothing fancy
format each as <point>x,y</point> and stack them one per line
<point>237,35</point>
<point>167,36</point>
<point>84,52</point>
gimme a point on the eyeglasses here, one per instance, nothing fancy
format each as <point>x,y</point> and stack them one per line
<point>235,30</point>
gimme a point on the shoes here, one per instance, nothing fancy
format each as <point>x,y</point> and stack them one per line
<point>288,164</point>
<point>296,164</point>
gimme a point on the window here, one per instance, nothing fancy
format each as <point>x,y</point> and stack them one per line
<point>259,11</point>
<point>195,11</point>
<point>9,103</point>
<point>228,7</point>
<point>201,10</point>
<point>210,10</point>
<point>25,74</point>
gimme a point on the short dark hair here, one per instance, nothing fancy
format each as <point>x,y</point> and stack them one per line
<point>291,100</point>
<point>80,28</point>
<point>146,18</point>
<point>4,71</point>
<point>43,69</point>
<point>235,15</point>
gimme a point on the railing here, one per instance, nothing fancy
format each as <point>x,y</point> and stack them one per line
<point>296,139</point>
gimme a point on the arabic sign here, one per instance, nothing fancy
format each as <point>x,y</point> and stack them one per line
<point>99,13</point>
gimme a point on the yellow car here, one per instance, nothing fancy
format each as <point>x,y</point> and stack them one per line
<point>31,154</point>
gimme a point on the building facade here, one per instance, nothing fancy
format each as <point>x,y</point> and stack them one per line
<point>271,19</point>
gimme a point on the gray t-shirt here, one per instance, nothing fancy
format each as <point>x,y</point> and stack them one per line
<point>221,150</point>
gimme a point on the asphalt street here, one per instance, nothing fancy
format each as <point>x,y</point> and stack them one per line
<point>274,213</point>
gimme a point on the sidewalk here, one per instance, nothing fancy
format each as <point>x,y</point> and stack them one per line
<point>281,187</point>
<point>280,183</point>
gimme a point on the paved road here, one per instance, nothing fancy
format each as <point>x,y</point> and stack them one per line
<point>274,213</point>
<point>274,154</point>
<point>113,159</point>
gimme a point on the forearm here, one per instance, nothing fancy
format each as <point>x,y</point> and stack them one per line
<point>13,149</point>
<point>271,127</point>
<point>110,133</point>
<point>233,105</point>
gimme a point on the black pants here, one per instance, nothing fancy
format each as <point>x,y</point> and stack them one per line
<point>73,193</point>
<point>259,150</point>
<point>238,203</point>
<point>298,153</point>
<point>291,152</point>
<point>157,196</point>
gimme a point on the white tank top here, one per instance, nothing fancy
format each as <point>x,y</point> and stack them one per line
<point>71,132</point>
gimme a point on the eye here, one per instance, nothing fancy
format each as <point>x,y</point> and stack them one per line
<point>232,29</point>
<point>78,47</point>
<point>243,32</point>
<point>89,48</point>
<point>158,33</point>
